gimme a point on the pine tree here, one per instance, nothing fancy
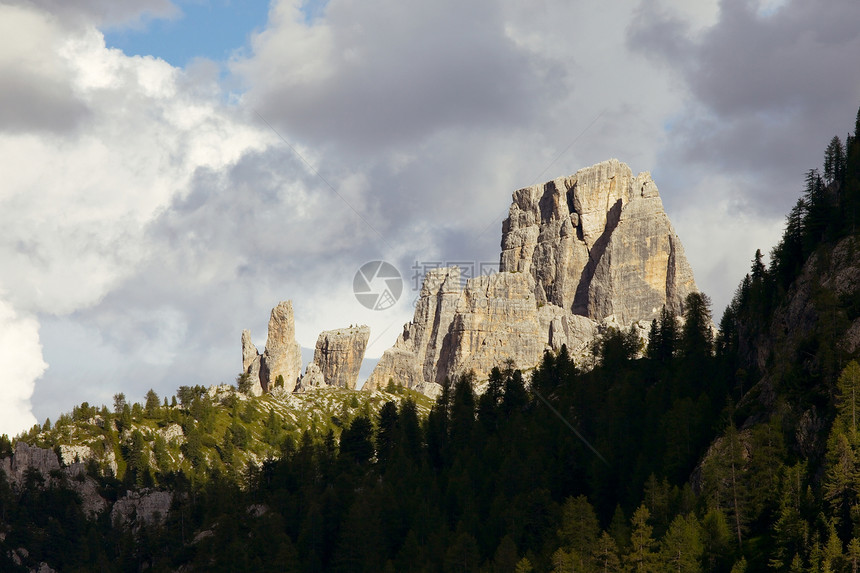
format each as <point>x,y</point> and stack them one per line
<point>834,161</point>
<point>505,558</point>
<point>790,531</point>
<point>840,481</point>
<point>642,557</point>
<point>682,545</point>
<point>386,433</point>
<point>848,397</point>
<point>118,403</point>
<point>854,544</point>
<point>606,554</point>
<point>152,403</point>
<point>579,527</point>
<point>717,538</point>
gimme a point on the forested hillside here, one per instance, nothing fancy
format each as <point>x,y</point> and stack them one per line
<point>699,451</point>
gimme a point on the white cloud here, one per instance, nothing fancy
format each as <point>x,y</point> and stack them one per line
<point>149,215</point>
<point>77,199</point>
<point>20,364</point>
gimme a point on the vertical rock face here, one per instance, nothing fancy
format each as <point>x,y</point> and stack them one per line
<point>598,244</point>
<point>282,357</point>
<point>146,507</point>
<point>496,320</point>
<point>313,378</point>
<point>579,254</point>
<point>26,457</point>
<point>338,355</point>
<point>48,464</point>
<point>414,359</point>
<point>251,363</point>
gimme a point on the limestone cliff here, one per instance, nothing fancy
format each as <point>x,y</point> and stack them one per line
<point>282,357</point>
<point>47,463</point>
<point>598,244</point>
<point>251,363</point>
<point>492,320</point>
<point>579,254</point>
<point>337,358</point>
<point>413,361</point>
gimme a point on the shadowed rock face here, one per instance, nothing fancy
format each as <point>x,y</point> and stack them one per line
<point>596,247</point>
<point>251,363</point>
<point>337,357</point>
<point>47,463</point>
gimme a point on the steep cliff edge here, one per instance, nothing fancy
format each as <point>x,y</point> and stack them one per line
<point>337,359</point>
<point>282,356</point>
<point>579,254</point>
<point>598,243</point>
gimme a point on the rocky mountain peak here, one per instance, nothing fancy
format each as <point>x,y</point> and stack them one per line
<point>282,356</point>
<point>598,243</point>
<point>579,254</point>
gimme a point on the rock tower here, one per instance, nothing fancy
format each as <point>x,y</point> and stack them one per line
<point>579,253</point>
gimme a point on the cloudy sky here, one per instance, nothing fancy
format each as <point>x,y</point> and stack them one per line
<point>170,170</point>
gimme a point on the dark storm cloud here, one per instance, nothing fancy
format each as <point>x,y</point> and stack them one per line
<point>390,72</point>
<point>32,102</point>
<point>769,89</point>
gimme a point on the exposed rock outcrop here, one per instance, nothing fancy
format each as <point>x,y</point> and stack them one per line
<point>579,254</point>
<point>598,243</point>
<point>27,457</point>
<point>337,358</point>
<point>45,461</point>
<point>137,508</point>
<point>251,363</point>
<point>282,357</point>
<point>494,319</point>
<point>312,379</point>
<point>414,359</point>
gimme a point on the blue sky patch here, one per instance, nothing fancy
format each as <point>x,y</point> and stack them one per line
<point>206,28</point>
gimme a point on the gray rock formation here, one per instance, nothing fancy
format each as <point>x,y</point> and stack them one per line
<point>282,357</point>
<point>251,363</point>
<point>26,457</point>
<point>312,379</point>
<point>414,359</point>
<point>492,320</point>
<point>496,321</point>
<point>579,254</point>
<point>598,244</point>
<point>337,358</point>
<point>142,507</point>
<point>45,461</point>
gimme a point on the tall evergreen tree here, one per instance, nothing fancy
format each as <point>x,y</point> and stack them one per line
<point>642,557</point>
<point>848,397</point>
<point>834,161</point>
<point>696,335</point>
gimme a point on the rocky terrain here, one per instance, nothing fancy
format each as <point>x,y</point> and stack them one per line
<point>579,254</point>
<point>337,358</point>
<point>282,356</point>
